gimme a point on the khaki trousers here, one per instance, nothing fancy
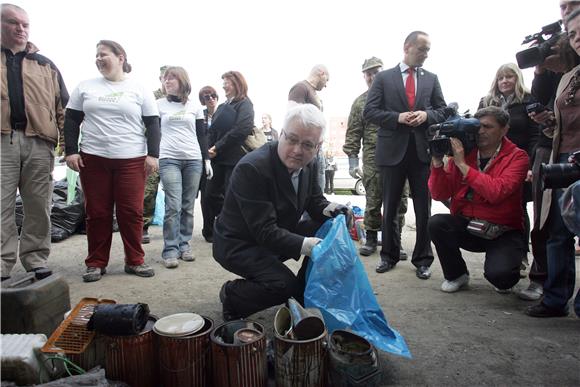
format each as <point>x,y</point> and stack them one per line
<point>26,165</point>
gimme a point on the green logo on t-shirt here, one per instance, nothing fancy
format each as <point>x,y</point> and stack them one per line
<point>177,116</point>
<point>111,98</point>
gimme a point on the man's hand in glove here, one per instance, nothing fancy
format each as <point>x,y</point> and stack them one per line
<point>308,244</point>
<point>353,168</point>
<point>335,209</point>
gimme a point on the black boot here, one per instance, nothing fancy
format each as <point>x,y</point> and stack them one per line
<point>370,245</point>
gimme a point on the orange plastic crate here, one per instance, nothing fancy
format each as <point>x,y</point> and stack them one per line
<point>72,335</point>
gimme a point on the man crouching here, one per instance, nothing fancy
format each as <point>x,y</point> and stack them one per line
<point>485,188</point>
<point>263,221</point>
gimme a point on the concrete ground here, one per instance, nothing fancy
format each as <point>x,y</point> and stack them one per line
<point>473,337</point>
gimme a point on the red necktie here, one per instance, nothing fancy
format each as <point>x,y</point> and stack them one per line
<point>410,88</point>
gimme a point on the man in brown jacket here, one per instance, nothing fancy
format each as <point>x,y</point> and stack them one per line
<point>33,100</point>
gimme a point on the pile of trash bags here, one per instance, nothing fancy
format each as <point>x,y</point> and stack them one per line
<point>65,218</point>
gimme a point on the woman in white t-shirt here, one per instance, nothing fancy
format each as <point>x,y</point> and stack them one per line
<point>181,153</point>
<point>119,147</point>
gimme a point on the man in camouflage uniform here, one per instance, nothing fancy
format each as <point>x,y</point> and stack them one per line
<point>359,129</point>
<point>153,179</point>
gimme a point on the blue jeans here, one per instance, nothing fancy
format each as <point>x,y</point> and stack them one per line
<point>180,179</point>
<point>559,286</point>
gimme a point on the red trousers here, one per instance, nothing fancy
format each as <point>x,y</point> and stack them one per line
<point>107,184</point>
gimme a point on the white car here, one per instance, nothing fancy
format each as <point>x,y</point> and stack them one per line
<point>343,180</point>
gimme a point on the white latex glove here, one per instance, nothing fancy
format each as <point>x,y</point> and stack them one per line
<point>208,170</point>
<point>308,244</point>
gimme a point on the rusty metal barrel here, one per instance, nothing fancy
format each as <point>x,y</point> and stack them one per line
<point>186,361</point>
<point>301,362</point>
<point>353,361</point>
<point>239,355</point>
<point>133,359</point>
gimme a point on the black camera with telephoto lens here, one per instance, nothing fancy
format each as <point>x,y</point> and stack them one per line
<point>561,175</point>
<point>464,129</point>
<point>542,43</point>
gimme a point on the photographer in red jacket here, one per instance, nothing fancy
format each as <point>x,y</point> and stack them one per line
<point>485,188</point>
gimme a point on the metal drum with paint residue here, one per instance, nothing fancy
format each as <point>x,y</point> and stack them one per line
<point>186,360</point>
<point>133,359</point>
<point>301,362</point>
<point>239,355</point>
<point>353,361</point>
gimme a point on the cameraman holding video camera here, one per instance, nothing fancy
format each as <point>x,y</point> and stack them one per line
<point>485,188</point>
<point>564,121</point>
<point>547,75</point>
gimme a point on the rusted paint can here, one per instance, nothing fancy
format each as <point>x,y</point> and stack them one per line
<point>353,361</point>
<point>239,360</point>
<point>301,362</point>
<point>133,359</point>
<point>186,361</point>
<point>92,356</point>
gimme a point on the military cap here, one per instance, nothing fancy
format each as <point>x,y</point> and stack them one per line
<point>371,63</point>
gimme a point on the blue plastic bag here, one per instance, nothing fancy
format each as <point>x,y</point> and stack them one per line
<point>337,284</point>
<point>159,213</point>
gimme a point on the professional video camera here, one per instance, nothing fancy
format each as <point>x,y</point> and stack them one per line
<point>464,129</point>
<point>542,43</point>
<point>561,175</point>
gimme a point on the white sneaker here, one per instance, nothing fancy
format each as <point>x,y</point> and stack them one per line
<point>187,256</point>
<point>533,292</point>
<point>456,284</point>
<point>524,269</point>
<point>170,263</point>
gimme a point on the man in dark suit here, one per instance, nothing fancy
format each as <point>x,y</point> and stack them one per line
<point>404,101</point>
<point>263,221</point>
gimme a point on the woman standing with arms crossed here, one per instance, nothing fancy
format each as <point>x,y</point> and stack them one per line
<point>231,124</point>
<point>182,153</point>
<point>119,147</point>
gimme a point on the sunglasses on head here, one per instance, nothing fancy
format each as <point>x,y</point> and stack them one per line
<point>207,97</point>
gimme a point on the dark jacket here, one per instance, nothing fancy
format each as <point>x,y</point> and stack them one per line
<point>261,209</point>
<point>387,99</point>
<point>497,192</point>
<point>544,90</point>
<point>230,126</point>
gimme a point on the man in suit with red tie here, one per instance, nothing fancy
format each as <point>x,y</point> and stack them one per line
<point>404,101</point>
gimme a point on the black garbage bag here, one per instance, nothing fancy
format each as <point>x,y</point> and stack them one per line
<point>65,218</point>
<point>19,213</point>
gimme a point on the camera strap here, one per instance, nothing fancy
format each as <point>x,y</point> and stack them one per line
<point>490,160</point>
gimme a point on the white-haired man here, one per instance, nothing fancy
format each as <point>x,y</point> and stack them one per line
<point>263,221</point>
